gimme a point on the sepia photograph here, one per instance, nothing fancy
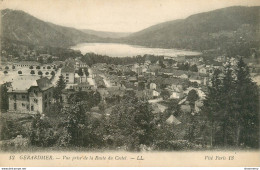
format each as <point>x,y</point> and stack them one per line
<point>129,83</point>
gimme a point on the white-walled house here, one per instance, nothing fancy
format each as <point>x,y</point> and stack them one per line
<point>33,96</point>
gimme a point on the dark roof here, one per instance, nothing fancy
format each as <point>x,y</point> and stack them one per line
<point>44,83</point>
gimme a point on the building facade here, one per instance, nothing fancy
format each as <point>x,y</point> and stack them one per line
<point>36,99</point>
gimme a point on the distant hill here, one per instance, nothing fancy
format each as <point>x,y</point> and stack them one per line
<point>220,28</point>
<point>20,26</point>
<point>104,34</point>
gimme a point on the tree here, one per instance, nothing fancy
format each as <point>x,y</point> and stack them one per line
<point>60,66</point>
<point>60,85</point>
<point>192,97</point>
<point>49,60</point>
<point>48,67</point>
<point>86,72</point>
<point>38,67</point>
<point>165,94</point>
<point>32,72</point>
<point>41,133</point>
<point>80,72</point>
<point>4,97</point>
<point>52,73</point>
<point>194,68</point>
<point>247,107</point>
<point>5,72</point>
<point>20,72</point>
<point>40,59</point>
<point>31,67</point>
<point>212,106</point>
<point>47,73</point>
<point>228,105</point>
<point>131,124</point>
<point>6,67</point>
<point>75,125</point>
<point>161,64</point>
<point>39,73</point>
<point>173,109</point>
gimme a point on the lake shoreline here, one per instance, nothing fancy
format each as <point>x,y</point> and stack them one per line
<point>126,50</point>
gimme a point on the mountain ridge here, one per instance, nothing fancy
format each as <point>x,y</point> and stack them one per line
<point>202,31</point>
<point>20,26</point>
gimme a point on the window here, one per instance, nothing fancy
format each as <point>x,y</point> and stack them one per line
<point>36,93</point>
<point>67,77</point>
<point>14,96</point>
<point>32,108</point>
<point>14,106</point>
<point>27,107</point>
<point>23,96</point>
<point>67,81</point>
<point>46,96</point>
<point>46,104</point>
<point>35,100</point>
<point>67,74</point>
<point>23,104</point>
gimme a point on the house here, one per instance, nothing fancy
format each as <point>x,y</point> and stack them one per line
<point>152,86</point>
<point>80,79</point>
<point>155,93</point>
<point>27,64</point>
<point>83,87</point>
<point>80,64</point>
<point>152,94</point>
<point>184,76</point>
<point>176,95</point>
<point>30,96</point>
<point>185,108</point>
<point>198,105</point>
<point>68,73</point>
<point>195,79</point>
<point>173,120</point>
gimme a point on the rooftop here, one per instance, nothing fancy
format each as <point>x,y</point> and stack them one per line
<point>22,85</point>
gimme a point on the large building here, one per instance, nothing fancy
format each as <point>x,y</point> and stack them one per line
<point>68,73</point>
<point>30,96</point>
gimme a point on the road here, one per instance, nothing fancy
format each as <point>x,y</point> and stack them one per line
<point>106,81</point>
<point>90,80</point>
<point>56,78</point>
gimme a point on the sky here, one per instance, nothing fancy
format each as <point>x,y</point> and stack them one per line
<point>117,15</point>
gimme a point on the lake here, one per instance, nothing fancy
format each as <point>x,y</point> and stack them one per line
<point>125,50</point>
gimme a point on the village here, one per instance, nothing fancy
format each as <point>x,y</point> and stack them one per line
<point>30,83</point>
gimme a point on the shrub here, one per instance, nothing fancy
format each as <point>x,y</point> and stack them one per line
<point>174,145</point>
<point>39,73</point>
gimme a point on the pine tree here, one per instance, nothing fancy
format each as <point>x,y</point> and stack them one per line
<point>212,105</point>
<point>60,85</point>
<point>247,107</point>
<point>4,97</point>
<point>227,104</point>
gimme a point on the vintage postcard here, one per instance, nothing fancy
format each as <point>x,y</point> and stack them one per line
<point>169,83</point>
